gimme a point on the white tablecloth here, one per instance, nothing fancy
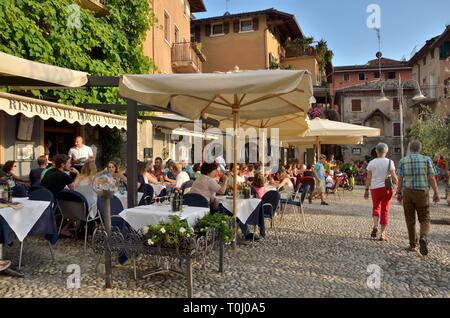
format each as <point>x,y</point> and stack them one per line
<point>244,207</point>
<point>141,216</point>
<point>22,220</point>
<point>124,198</point>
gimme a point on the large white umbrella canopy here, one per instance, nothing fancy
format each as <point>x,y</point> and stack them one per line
<point>329,132</point>
<point>11,65</point>
<point>249,95</point>
<point>257,94</point>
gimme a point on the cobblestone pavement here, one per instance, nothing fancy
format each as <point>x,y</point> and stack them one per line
<point>329,259</point>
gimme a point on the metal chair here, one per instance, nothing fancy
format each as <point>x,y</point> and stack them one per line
<point>195,199</point>
<point>293,200</point>
<point>19,191</point>
<point>41,194</point>
<point>186,187</point>
<point>73,205</point>
<point>269,204</point>
<point>147,198</point>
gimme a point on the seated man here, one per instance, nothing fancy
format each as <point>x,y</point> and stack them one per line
<point>35,174</point>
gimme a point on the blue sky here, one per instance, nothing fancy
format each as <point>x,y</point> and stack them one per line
<point>405,24</point>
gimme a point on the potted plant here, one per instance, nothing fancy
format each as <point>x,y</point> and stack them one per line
<point>218,222</point>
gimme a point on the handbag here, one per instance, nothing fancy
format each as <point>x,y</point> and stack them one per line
<point>388,183</point>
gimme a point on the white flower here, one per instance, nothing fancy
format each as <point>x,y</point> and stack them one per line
<point>224,222</point>
<point>182,230</point>
<point>163,230</point>
<point>150,242</point>
<point>146,228</point>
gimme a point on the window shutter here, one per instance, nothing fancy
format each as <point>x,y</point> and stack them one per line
<point>395,104</point>
<point>226,27</point>
<point>236,26</point>
<point>356,105</point>
<point>208,29</point>
<point>198,34</point>
<point>255,24</point>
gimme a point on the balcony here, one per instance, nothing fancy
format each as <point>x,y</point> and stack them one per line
<point>98,6</point>
<point>187,58</point>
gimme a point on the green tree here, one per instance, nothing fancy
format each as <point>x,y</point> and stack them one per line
<point>433,131</point>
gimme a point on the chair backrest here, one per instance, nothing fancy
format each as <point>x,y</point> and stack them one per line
<point>116,205</point>
<point>42,194</point>
<point>72,204</point>
<point>272,197</point>
<point>19,191</point>
<point>195,199</point>
<point>148,191</point>
<point>187,185</point>
<point>34,188</point>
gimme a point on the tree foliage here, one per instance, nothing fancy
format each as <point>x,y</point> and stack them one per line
<point>58,32</point>
<point>433,130</point>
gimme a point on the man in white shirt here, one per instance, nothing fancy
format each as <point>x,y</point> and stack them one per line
<point>80,153</point>
<point>180,175</point>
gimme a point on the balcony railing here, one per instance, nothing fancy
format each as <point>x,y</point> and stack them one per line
<point>187,58</point>
<point>97,6</point>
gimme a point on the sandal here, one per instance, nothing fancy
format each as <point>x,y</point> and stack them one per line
<point>383,238</point>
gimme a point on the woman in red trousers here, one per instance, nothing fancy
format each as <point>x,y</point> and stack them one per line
<point>377,172</point>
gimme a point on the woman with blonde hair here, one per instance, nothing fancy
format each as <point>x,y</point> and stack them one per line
<point>84,185</point>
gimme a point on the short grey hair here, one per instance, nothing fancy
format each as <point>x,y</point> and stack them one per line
<point>382,148</point>
<point>415,146</point>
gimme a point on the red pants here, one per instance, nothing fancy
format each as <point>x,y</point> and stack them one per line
<point>381,200</point>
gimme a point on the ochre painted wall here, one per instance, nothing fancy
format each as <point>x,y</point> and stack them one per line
<point>246,50</point>
<point>305,63</point>
<point>155,46</point>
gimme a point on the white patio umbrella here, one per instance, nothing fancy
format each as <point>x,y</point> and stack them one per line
<point>250,95</point>
<point>328,132</point>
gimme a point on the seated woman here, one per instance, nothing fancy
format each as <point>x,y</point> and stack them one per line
<point>83,184</point>
<point>148,174</point>
<point>329,182</point>
<point>285,182</point>
<point>207,186</point>
<point>240,177</point>
<point>9,168</point>
<point>113,170</point>
<point>258,185</point>
<point>168,175</point>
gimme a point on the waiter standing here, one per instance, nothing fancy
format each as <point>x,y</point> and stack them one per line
<point>80,153</point>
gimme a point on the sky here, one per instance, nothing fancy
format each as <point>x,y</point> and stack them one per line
<point>405,24</point>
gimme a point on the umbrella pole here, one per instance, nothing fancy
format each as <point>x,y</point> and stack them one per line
<point>235,159</point>
<point>263,148</point>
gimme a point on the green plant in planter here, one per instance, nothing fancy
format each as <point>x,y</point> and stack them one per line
<point>219,222</point>
<point>170,233</point>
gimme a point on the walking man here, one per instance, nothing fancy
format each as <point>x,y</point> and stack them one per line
<point>415,176</point>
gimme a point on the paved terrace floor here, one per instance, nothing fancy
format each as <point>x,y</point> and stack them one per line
<point>330,259</point>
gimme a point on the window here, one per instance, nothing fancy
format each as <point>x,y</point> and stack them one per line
<point>356,105</point>
<point>424,60</point>
<point>346,77</point>
<point>432,54</point>
<point>376,74</point>
<point>246,25</point>
<point>362,76</point>
<point>395,104</point>
<point>217,29</point>
<point>356,151</point>
<point>392,75</point>
<point>167,26</point>
<point>177,35</point>
<point>396,129</point>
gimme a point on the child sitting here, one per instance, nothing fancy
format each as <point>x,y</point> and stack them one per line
<point>329,183</point>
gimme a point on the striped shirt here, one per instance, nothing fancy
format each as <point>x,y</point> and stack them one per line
<point>416,170</point>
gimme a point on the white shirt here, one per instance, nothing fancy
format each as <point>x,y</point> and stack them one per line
<point>81,153</point>
<point>86,189</point>
<point>379,169</point>
<point>182,177</point>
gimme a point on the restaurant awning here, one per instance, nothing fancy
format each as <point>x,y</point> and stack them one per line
<point>15,104</point>
<point>14,66</point>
